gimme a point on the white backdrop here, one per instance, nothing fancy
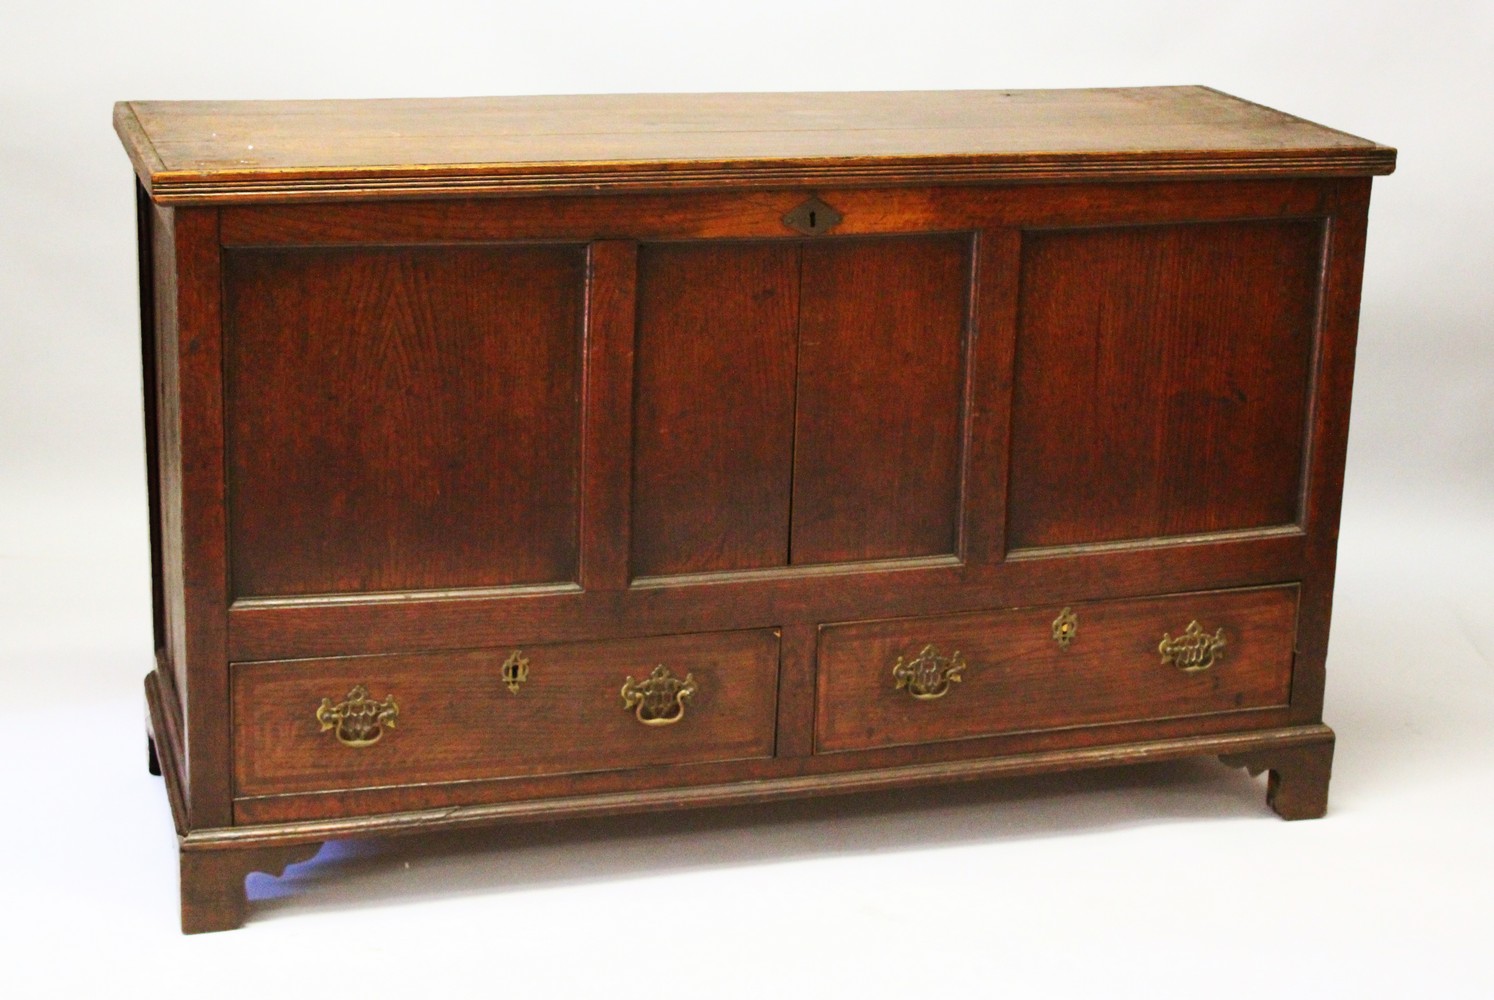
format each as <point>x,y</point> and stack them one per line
<point>1167,881</point>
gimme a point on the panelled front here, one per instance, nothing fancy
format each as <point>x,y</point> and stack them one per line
<point>314,725</point>
<point>811,426</point>
<point>690,450</point>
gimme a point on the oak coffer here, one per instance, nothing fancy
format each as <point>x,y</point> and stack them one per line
<point>540,457</point>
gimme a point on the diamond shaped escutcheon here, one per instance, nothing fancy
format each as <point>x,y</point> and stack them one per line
<point>813,218</point>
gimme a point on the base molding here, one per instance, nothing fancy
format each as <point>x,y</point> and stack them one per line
<point>215,861</point>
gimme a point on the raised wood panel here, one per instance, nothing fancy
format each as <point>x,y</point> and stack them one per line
<point>879,422</point>
<point>714,406</point>
<point>403,418</point>
<point>457,720</point>
<point>1016,677</point>
<point>1161,380</point>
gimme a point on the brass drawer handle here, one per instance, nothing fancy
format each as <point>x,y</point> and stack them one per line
<point>358,719</point>
<point>659,699</point>
<point>1194,650</point>
<point>928,675</point>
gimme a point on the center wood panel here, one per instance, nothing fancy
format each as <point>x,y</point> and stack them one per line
<point>1160,381</point>
<point>878,429</point>
<point>713,435</point>
<point>402,418</point>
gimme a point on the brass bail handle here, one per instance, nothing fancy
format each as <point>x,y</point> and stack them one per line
<point>659,699</point>
<point>928,675</point>
<point>358,720</point>
<point>1194,650</point>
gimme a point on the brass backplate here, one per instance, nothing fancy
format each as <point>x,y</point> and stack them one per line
<point>1194,650</point>
<point>358,719</point>
<point>659,699</point>
<point>928,675</point>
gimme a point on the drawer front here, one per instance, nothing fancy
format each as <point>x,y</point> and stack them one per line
<point>888,683</point>
<point>310,725</point>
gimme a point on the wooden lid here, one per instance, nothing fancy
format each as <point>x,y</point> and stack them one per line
<point>188,152</point>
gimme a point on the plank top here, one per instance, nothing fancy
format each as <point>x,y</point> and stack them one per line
<point>210,151</point>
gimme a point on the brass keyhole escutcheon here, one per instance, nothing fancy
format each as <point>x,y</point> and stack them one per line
<point>813,218</point>
<point>515,670</point>
<point>1065,628</point>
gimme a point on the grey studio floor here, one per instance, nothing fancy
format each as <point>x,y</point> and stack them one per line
<point>1144,881</point>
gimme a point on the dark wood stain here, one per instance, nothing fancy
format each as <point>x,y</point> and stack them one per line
<point>194,499</point>
<point>401,422</point>
<point>420,621</point>
<point>607,417</point>
<point>1016,676</point>
<point>1161,380</point>
<point>713,426</point>
<point>735,214</point>
<point>878,426</point>
<point>1342,277</point>
<point>458,721</point>
<point>403,418</point>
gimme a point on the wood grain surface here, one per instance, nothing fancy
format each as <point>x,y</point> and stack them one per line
<point>1083,348</point>
<point>713,427</point>
<point>459,721</point>
<point>403,418</point>
<point>879,424</point>
<point>1162,380</point>
<point>241,150</point>
<point>1017,677</point>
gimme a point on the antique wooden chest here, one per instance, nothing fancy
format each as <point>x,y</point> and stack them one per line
<point>540,457</point>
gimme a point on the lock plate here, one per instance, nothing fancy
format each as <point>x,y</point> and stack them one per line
<point>813,218</point>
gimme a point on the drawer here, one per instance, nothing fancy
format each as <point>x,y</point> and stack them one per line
<point>951,677</point>
<point>350,722</point>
